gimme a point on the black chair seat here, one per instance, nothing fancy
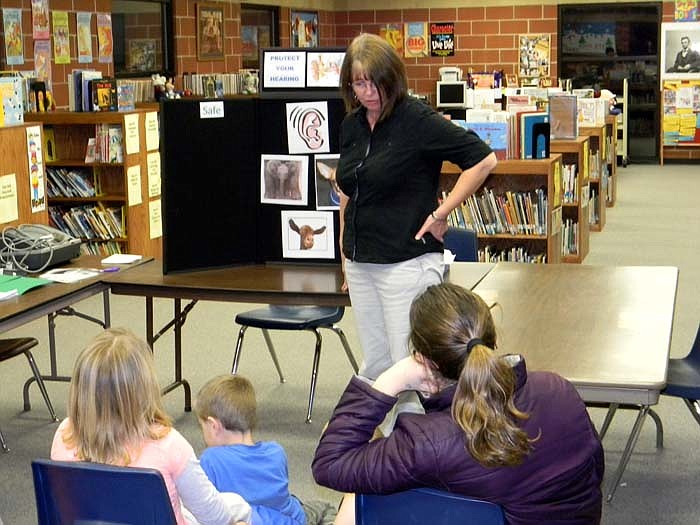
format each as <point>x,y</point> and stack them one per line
<point>275,317</point>
<point>10,348</point>
<point>683,379</point>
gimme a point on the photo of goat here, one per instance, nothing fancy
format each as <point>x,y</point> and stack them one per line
<point>308,234</point>
<point>284,179</point>
<point>327,191</point>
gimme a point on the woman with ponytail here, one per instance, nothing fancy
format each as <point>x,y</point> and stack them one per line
<point>491,429</point>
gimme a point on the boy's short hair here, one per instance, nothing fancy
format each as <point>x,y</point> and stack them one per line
<point>231,400</point>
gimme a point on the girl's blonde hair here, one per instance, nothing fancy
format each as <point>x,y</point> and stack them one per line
<point>443,321</point>
<point>114,400</point>
<point>370,57</point>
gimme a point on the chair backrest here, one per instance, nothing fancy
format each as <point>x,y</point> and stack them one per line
<point>70,492</point>
<point>694,354</point>
<point>462,243</point>
<point>421,506</point>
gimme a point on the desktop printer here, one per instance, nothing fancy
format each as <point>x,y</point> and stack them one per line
<point>35,247</point>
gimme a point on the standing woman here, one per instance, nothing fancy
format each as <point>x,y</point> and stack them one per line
<point>391,227</point>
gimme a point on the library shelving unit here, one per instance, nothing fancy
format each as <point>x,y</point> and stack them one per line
<point>597,175</point>
<point>611,158</point>
<point>526,177</point>
<point>14,164</point>
<point>575,152</point>
<point>622,127</point>
<point>139,211</point>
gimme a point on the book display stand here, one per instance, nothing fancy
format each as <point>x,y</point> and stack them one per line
<point>576,195</point>
<point>611,122</point>
<point>517,189</point>
<point>598,175</point>
<point>123,194</point>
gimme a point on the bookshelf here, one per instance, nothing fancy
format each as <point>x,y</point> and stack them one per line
<point>597,175</point>
<point>611,158</point>
<point>574,152</point>
<point>524,177</point>
<point>14,160</point>
<point>117,184</point>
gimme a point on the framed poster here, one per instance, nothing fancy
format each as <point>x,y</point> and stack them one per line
<point>304,28</point>
<point>680,50</point>
<point>210,32</point>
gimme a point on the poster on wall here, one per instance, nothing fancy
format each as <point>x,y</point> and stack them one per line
<point>40,19</point>
<point>42,60</point>
<point>12,25</point>
<point>61,46</point>
<point>534,55</point>
<point>104,37</point>
<point>686,11</point>
<point>680,51</point>
<point>36,169</point>
<point>307,234</point>
<point>442,39</point>
<point>83,20</point>
<point>592,38</point>
<point>416,40</point>
<point>393,34</point>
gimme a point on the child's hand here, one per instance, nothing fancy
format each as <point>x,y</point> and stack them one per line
<point>407,374</point>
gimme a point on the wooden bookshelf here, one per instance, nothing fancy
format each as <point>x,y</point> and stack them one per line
<point>71,132</point>
<point>611,158</point>
<point>575,152</point>
<point>516,175</point>
<point>14,159</point>
<point>597,179</point>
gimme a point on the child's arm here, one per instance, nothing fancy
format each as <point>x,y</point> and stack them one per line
<point>207,505</point>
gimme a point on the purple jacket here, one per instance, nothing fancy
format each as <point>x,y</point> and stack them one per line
<point>558,483</point>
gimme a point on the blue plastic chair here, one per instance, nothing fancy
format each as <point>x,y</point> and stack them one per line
<point>462,243</point>
<point>683,378</point>
<point>278,317</point>
<point>425,506</point>
<point>97,494</point>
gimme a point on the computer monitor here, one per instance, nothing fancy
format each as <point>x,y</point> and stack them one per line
<point>451,94</point>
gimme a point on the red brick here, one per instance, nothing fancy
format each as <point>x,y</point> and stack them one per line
<point>340,17</point>
<point>182,8</point>
<point>349,31</point>
<point>424,86</point>
<point>416,15</point>
<point>527,12</point>
<point>499,13</point>
<point>486,56</point>
<point>60,94</point>
<point>443,15</point>
<point>388,16</point>
<point>80,5</point>
<point>514,27</point>
<point>462,56</point>
<point>543,26</point>
<point>418,71</point>
<point>463,28</point>
<point>500,41</point>
<point>361,17</point>
<point>103,6</point>
<point>62,5</point>
<point>485,28</point>
<point>471,42</point>
<point>508,56</point>
<point>549,11</point>
<point>471,13</point>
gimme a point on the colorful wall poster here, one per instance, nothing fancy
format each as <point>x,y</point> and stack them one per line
<point>393,33</point>
<point>442,39</point>
<point>686,11</point>
<point>14,47</point>
<point>307,234</point>
<point>416,40</point>
<point>104,37</point>
<point>40,19</point>
<point>534,55</point>
<point>307,127</point>
<point>42,60</point>
<point>36,169</point>
<point>61,46</point>
<point>83,21</point>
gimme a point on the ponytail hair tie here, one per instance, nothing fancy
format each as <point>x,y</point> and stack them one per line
<point>473,342</point>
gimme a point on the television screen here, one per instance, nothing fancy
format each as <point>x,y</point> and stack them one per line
<point>451,94</point>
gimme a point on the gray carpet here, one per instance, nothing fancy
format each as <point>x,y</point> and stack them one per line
<point>655,222</point>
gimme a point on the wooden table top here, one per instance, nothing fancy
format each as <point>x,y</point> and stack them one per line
<point>606,329</point>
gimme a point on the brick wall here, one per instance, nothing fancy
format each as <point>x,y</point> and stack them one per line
<point>144,26</point>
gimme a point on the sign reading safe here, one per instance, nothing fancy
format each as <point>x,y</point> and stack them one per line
<point>213,109</point>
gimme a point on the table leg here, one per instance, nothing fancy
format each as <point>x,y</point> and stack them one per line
<point>631,442</point>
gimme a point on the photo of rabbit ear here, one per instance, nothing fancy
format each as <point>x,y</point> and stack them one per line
<point>327,190</point>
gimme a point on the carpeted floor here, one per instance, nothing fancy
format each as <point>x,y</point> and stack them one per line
<point>655,222</point>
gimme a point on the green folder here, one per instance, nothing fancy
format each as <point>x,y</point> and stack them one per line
<point>19,283</point>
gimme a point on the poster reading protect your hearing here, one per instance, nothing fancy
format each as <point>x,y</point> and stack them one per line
<point>307,127</point>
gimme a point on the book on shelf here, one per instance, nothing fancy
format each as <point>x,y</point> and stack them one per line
<point>12,104</point>
<point>125,97</point>
<point>494,134</point>
<point>116,138</point>
<point>90,151</point>
<point>103,94</point>
<point>50,153</point>
<point>534,135</point>
<point>563,116</point>
<point>85,77</point>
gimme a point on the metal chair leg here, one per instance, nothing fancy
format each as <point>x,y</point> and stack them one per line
<point>314,372</point>
<point>346,346</point>
<point>659,428</point>
<point>3,443</point>
<point>631,442</point>
<point>237,352</point>
<point>608,419</point>
<point>694,407</point>
<point>40,384</point>
<point>273,354</point>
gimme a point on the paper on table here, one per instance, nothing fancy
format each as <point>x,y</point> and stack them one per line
<point>121,258</point>
<point>69,275</point>
<point>8,294</point>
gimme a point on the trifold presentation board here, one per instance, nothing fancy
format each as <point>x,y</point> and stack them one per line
<point>250,180</point>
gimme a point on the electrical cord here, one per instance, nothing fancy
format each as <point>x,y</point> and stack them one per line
<point>23,241</point>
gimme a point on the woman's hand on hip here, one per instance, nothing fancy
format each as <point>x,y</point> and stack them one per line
<point>436,227</point>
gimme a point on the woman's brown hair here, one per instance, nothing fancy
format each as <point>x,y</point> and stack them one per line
<point>443,321</point>
<point>370,57</point>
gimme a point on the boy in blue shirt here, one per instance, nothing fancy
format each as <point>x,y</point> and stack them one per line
<point>235,462</point>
